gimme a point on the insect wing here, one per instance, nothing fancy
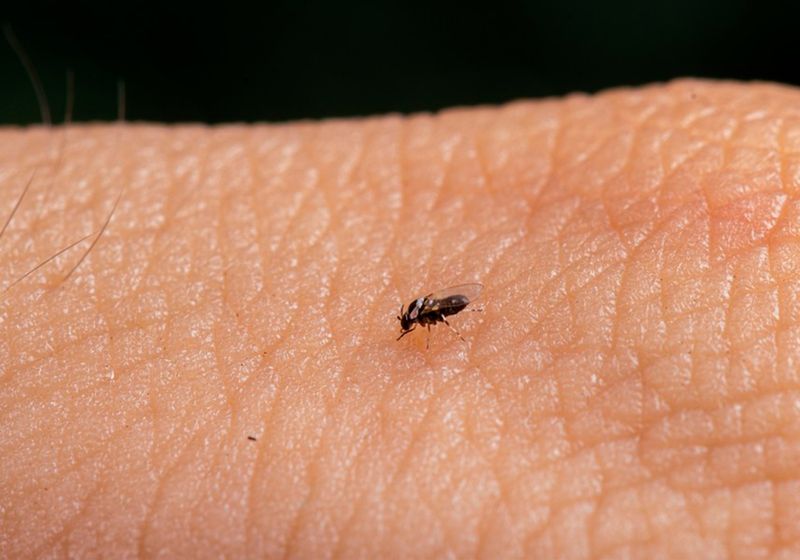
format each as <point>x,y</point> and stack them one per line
<point>452,297</point>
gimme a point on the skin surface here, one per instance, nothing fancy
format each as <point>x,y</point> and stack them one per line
<point>631,389</point>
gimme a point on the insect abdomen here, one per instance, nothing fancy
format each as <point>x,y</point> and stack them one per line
<point>453,304</point>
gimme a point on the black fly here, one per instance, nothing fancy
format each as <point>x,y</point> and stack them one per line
<point>433,308</point>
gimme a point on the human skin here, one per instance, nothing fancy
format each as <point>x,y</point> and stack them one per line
<point>631,388</point>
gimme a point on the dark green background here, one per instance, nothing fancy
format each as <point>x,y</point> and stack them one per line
<point>289,60</point>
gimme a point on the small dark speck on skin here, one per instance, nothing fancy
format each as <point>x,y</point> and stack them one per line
<point>251,438</point>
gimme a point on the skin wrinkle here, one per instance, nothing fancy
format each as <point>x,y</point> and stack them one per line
<point>76,462</point>
<point>438,514</point>
<point>261,251</point>
<point>68,469</point>
<point>312,473</point>
<point>437,200</point>
<point>249,519</point>
<point>273,347</point>
<point>328,430</point>
<point>612,352</point>
<point>414,447</point>
<point>251,382</point>
<point>158,233</point>
<point>416,433</point>
<point>50,353</point>
<point>66,528</point>
<point>229,434</point>
<point>271,430</point>
<point>346,525</point>
<point>253,197</point>
<point>358,506</point>
<point>313,469</point>
<point>166,473</point>
<point>330,279</point>
<point>167,469</point>
<point>79,462</point>
<point>69,530</point>
<point>384,255</point>
<point>783,140</point>
<point>409,213</point>
<point>76,507</point>
<point>303,196</point>
<point>277,419</point>
<point>380,488</point>
<point>222,370</point>
<point>257,470</point>
<point>234,435</point>
<point>74,394</point>
<point>770,248</point>
<point>396,462</point>
<point>401,208</point>
<point>472,443</point>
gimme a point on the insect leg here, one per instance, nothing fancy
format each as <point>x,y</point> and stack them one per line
<point>452,328</point>
<point>428,340</point>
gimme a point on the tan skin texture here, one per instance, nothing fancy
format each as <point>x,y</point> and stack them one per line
<point>632,388</point>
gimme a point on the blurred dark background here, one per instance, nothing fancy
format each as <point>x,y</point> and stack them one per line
<point>282,60</point>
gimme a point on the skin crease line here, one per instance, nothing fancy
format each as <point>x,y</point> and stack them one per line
<point>220,377</point>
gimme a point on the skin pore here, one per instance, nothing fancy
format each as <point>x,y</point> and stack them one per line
<point>220,376</point>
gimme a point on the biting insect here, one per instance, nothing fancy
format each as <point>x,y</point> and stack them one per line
<point>435,307</point>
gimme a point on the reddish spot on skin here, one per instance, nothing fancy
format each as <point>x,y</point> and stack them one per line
<point>744,223</point>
